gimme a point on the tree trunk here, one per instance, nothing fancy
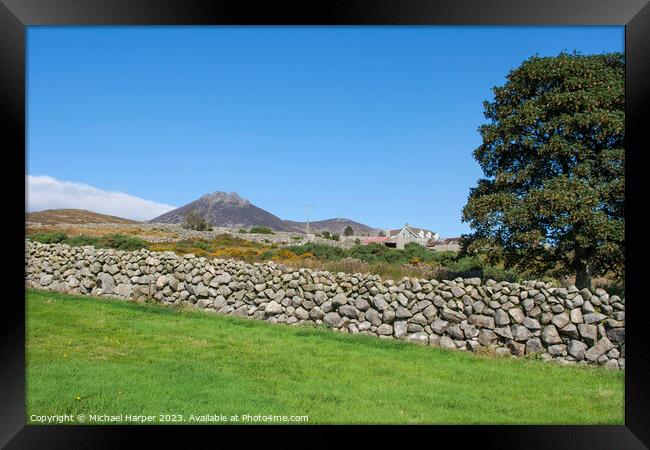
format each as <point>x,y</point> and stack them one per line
<point>583,265</point>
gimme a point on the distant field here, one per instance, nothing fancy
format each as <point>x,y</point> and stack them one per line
<point>72,216</point>
<point>100,356</point>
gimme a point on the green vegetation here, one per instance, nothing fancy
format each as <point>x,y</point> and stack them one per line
<point>90,356</point>
<point>49,237</point>
<point>331,236</point>
<point>194,221</point>
<point>261,230</point>
<point>413,261</point>
<point>115,240</point>
<point>348,231</point>
<point>553,155</point>
<point>442,265</point>
<point>242,231</point>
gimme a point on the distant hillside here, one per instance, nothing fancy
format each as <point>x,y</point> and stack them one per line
<point>223,209</point>
<point>337,225</point>
<point>57,216</point>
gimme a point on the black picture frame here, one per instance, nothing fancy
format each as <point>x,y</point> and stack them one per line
<point>16,15</point>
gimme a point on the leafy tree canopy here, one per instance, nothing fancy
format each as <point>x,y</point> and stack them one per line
<point>553,157</point>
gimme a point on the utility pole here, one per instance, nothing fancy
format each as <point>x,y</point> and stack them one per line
<point>307,216</point>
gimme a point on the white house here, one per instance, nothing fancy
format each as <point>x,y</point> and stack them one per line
<point>410,233</point>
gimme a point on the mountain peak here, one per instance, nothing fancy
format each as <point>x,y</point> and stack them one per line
<point>229,209</point>
<point>231,198</point>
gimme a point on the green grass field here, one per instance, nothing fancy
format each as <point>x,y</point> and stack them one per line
<point>99,356</point>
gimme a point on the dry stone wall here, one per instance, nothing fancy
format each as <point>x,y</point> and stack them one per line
<point>567,325</point>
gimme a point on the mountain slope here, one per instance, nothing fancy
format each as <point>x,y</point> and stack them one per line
<point>337,225</point>
<point>224,209</point>
<point>57,216</point>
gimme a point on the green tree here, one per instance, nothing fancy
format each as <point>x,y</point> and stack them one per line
<point>554,161</point>
<point>194,221</point>
<point>348,231</point>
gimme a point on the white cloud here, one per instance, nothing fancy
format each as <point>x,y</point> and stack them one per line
<point>44,192</point>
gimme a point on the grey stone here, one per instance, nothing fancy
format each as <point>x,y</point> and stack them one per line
<point>576,316</point>
<point>617,335</point>
<point>361,304</point>
<point>418,338</point>
<point>320,297</point>
<point>455,332</point>
<point>379,303</point>
<point>517,315</point>
<point>388,316</point>
<point>107,283</point>
<point>273,308</point>
<point>481,321</point>
<point>333,319</point>
<point>373,317</point>
<point>561,320</point>
<point>486,337</point>
<point>520,333</point>
<point>600,348</point>
<point>557,350</point>
<point>339,299</point>
<point>385,330</point>
<point>446,342</point>
<point>348,311</point>
<point>46,280</point>
<point>504,332</point>
<point>570,330</point>
<point>534,345</point>
<point>531,324</point>
<point>402,313</point>
<point>439,326</point>
<point>577,349</point>
<point>516,348</point>
<point>453,316</point>
<point>316,313</point>
<point>550,335</point>
<point>594,317</point>
<point>501,318</point>
<point>589,333</point>
<point>400,328</point>
<point>301,313</point>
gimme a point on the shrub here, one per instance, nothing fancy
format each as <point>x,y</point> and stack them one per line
<point>49,238</point>
<point>348,231</point>
<point>320,251</point>
<point>326,235</point>
<point>242,231</point>
<point>296,238</point>
<point>261,230</point>
<point>122,242</point>
<point>193,221</point>
<point>336,237</point>
<point>357,241</point>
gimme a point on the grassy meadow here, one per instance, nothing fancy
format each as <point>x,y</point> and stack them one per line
<point>102,356</point>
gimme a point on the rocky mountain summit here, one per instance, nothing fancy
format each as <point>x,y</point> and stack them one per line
<point>225,209</point>
<point>229,209</point>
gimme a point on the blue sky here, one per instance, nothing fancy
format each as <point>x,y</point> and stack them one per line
<point>376,124</point>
